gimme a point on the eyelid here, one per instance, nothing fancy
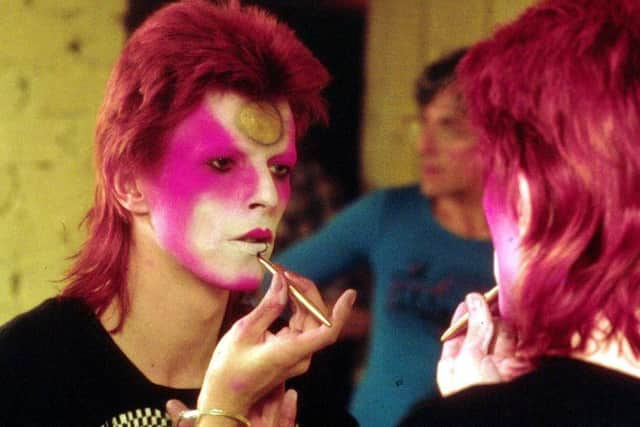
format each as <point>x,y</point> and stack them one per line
<point>281,165</point>
<point>222,163</point>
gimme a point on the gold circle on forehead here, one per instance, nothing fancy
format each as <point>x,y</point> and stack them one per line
<point>261,122</point>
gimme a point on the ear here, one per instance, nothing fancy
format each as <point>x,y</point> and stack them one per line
<point>130,193</point>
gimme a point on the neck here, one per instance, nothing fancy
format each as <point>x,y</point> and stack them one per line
<point>461,214</point>
<point>174,319</point>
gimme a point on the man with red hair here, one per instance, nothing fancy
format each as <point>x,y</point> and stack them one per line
<point>556,99</point>
<point>195,142</point>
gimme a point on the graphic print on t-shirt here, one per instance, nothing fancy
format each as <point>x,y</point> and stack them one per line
<point>413,293</point>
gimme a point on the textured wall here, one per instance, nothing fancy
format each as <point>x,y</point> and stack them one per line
<point>403,36</point>
<point>54,61</point>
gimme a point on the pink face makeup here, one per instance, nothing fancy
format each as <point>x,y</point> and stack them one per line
<point>217,196</point>
<point>505,235</point>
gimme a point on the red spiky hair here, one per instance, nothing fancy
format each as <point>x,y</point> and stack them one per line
<point>181,52</point>
<point>556,97</point>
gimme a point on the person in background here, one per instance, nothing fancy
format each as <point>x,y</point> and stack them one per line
<point>555,96</point>
<point>195,142</point>
<point>426,246</point>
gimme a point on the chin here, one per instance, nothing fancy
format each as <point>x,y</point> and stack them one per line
<point>430,190</point>
<point>245,282</point>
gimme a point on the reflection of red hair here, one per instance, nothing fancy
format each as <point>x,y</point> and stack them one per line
<point>556,97</point>
<point>165,69</point>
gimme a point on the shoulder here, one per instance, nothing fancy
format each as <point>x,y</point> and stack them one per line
<point>563,392</point>
<point>43,330</point>
<point>47,315</point>
<point>58,356</point>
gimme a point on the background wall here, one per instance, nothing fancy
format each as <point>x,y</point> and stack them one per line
<point>403,36</point>
<point>54,62</point>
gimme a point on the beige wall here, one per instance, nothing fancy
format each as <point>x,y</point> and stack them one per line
<point>54,61</point>
<point>403,36</point>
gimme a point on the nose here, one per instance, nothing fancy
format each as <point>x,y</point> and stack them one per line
<point>266,192</point>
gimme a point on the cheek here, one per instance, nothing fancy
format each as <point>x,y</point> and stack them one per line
<point>505,240</point>
<point>464,164</point>
<point>177,191</point>
<point>467,158</point>
<point>284,191</point>
<point>181,184</point>
<point>505,236</point>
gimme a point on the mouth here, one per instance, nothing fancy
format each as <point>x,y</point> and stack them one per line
<point>258,236</point>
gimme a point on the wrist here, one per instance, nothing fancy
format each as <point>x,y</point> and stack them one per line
<point>224,399</point>
<point>225,405</point>
<point>213,418</point>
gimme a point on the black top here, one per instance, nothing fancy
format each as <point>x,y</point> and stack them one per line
<point>561,392</point>
<point>60,367</point>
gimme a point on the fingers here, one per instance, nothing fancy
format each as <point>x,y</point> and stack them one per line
<point>301,318</point>
<point>319,337</point>
<point>299,346</point>
<point>445,372</point>
<point>270,407</point>
<point>451,347</point>
<point>272,305</point>
<point>174,408</point>
<point>460,311</point>
<point>480,328</point>
<point>289,409</point>
<point>465,360</point>
<point>342,309</point>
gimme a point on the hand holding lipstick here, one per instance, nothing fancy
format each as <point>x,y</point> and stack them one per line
<point>250,361</point>
<point>485,354</point>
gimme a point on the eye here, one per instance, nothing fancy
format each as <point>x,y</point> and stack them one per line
<point>222,164</point>
<point>280,170</point>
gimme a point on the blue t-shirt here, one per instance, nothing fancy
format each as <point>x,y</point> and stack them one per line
<point>420,273</point>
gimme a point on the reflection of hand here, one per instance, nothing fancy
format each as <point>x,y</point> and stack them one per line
<point>485,355</point>
<point>250,362</point>
<point>276,409</point>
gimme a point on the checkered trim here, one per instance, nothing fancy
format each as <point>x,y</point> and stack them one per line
<point>140,418</point>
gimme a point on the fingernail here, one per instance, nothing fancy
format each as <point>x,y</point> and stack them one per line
<point>277,282</point>
<point>473,302</point>
<point>486,342</point>
<point>298,283</point>
<point>352,298</point>
<point>172,406</point>
<point>283,294</point>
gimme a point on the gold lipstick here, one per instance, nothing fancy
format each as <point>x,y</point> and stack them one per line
<point>295,293</point>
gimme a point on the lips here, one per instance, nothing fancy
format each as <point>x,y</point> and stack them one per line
<point>257,235</point>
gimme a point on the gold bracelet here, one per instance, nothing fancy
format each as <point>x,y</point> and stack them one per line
<point>196,414</point>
